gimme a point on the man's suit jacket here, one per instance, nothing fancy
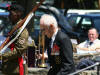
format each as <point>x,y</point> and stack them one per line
<point>62,60</point>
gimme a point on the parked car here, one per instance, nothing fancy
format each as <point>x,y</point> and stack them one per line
<point>4,24</point>
<point>76,25</point>
<point>81,24</point>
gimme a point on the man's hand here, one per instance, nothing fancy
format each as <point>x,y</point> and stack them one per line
<point>38,56</point>
<point>97,49</point>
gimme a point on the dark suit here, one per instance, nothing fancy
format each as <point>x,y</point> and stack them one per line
<point>62,60</point>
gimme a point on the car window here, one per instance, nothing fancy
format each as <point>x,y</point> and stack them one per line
<point>1,22</point>
<point>74,20</point>
<point>36,22</point>
<point>4,25</point>
<point>97,23</point>
<point>86,23</point>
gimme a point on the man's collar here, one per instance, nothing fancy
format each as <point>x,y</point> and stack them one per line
<point>94,40</point>
<point>54,35</point>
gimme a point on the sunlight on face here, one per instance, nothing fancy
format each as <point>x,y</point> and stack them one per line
<point>92,35</point>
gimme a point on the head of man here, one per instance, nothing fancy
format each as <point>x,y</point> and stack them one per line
<point>16,13</point>
<point>92,34</point>
<point>48,25</point>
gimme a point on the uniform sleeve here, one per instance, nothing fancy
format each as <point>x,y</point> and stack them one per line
<point>21,45</point>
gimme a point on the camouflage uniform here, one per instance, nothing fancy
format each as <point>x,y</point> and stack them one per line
<point>10,64</point>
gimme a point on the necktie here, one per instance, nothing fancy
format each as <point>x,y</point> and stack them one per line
<point>49,51</point>
<point>90,43</point>
<point>50,42</point>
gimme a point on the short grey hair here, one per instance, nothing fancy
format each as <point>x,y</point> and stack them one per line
<point>47,19</point>
<point>94,29</point>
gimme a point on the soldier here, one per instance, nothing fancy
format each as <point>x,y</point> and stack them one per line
<point>12,61</point>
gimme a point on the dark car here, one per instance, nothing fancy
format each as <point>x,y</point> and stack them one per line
<point>81,24</point>
<point>4,23</point>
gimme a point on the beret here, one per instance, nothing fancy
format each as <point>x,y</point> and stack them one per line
<point>16,7</point>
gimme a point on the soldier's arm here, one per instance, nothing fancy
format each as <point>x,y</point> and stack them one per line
<point>21,45</point>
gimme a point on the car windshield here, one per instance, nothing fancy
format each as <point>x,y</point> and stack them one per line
<point>74,20</point>
<point>97,23</point>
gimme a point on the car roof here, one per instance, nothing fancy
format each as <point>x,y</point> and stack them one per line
<point>87,15</point>
<point>82,11</point>
<point>4,13</point>
<point>93,14</point>
<point>5,4</point>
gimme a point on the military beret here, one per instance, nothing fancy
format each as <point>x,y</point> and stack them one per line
<point>16,7</point>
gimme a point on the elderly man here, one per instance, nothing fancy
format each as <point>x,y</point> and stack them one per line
<point>60,51</point>
<point>92,44</point>
<point>89,48</point>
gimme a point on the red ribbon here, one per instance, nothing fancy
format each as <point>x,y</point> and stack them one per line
<point>20,61</point>
<point>56,47</point>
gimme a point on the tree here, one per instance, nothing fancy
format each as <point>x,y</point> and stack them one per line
<point>67,3</point>
<point>99,4</point>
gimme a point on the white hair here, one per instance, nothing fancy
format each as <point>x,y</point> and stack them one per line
<point>47,19</point>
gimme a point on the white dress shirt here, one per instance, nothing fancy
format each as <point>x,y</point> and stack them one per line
<point>85,44</point>
<point>53,38</point>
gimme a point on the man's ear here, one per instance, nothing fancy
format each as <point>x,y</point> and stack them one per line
<point>51,25</point>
